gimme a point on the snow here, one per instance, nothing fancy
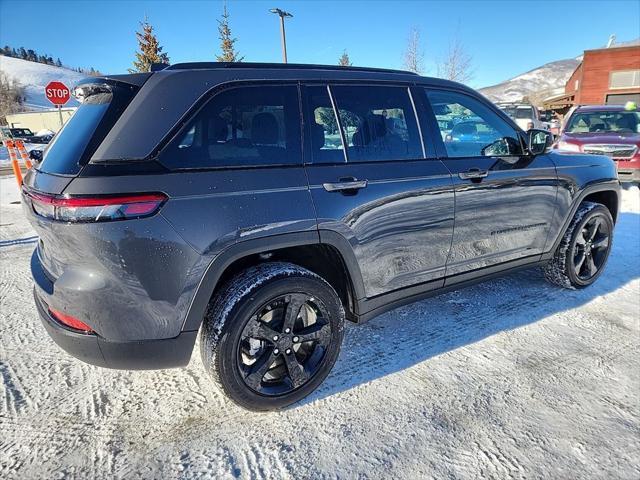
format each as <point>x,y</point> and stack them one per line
<point>9,191</point>
<point>35,76</point>
<point>4,154</point>
<point>510,378</point>
<point>539,82</point>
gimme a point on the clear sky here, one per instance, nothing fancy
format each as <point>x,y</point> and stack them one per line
<point>505,38</point>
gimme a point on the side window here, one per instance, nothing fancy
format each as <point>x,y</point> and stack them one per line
<point>325,140</point>
<point>379,123</point>
<point>242,126</point>
<point>471,129</point>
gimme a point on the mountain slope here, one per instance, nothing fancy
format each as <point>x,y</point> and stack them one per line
<point>35,76</point>
<point>534,84</point>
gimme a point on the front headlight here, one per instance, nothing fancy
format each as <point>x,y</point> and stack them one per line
<point>568,147</point>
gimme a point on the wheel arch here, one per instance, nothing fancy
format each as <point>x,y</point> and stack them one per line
<point>319,254</point>
<point>606,193</point>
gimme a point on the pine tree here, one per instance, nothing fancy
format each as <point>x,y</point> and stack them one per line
<point>150,49</point>
<point>58,62</point>
<point>227,42</point>
<point>344,60</point>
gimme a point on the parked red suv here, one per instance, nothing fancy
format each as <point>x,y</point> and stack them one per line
<point>612,130</point>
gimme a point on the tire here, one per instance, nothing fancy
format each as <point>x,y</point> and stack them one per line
<point>238,338</point>
<point>571,265</point>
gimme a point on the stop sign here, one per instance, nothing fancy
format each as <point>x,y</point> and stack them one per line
<point>57,93</point>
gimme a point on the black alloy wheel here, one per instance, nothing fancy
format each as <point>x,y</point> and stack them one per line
<point>283,344</point>
<point>591,248</point>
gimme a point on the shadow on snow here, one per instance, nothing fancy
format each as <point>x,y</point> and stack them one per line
<point>414,333</point>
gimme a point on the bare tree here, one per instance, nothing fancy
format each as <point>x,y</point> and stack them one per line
<point>11,97</point>
<point>344,60</point>
<point>414,55</point>
<point>457,64</point>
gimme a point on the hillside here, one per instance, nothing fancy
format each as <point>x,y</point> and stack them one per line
<point>535,84</point>
<point>35,76</point>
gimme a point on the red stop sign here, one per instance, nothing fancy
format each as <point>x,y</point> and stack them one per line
<point>57,93</point>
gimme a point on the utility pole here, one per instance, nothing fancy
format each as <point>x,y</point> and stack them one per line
<point>282,14</point>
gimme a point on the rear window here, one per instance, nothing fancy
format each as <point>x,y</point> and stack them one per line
<point>604,121</point>
<point>73,145</point>
<point>519,112</point>
<point>20,132</point>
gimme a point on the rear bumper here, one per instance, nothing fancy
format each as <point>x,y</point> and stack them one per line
<point>96,350</point>
<point>136,355</point>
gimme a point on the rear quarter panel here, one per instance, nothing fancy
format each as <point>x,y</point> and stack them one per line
<point>208,212</point>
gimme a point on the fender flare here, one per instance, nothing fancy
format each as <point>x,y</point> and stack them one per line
<point>609,186</point>
<point>224,259</point>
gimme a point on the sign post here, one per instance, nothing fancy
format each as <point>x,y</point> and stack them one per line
<point>58,94</point>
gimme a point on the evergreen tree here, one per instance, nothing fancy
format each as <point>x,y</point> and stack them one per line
<point>227,42</point>
<point>150,49</point>
<point>344,60</point>
<point>58,62</point>
<point>22,53</point>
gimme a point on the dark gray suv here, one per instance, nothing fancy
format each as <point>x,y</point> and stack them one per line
<point>263,205</point>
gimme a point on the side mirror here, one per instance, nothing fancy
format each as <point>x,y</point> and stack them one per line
<point>502,147</point>
<point>539,141</point>
<point>36,155</point>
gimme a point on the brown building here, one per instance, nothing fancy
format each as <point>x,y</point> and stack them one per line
<point>606,75</point>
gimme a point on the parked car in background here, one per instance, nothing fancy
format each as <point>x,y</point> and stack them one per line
<point>526,116</point>
<point>551,121</point>
<point>24,134</point>
<point>612,130</point>
<point>215,199</point>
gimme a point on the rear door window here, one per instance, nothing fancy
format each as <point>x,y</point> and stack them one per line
<point>324,133</point>
<point>378,123</point>
<point>241,126</point>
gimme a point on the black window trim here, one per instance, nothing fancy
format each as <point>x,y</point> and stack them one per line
<point>179,128</point>
<point>408,86</point>
<point>432,122</point>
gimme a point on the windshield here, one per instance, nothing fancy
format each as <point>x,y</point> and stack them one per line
<point>519,112</point>
<point>604,121</point>
<point>72,146</point>
<point>20,132</point>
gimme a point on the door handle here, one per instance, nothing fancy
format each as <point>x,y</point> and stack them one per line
<point>473,173</point>
<point>345,184</point>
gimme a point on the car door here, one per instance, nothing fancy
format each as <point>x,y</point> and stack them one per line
<point>371,184</point>
<point>505,197</point>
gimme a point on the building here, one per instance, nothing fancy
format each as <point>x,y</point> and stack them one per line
<point>605,76</point>
<point>40,120</point>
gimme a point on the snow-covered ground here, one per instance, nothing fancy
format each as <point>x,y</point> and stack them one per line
<point>35,76</point>
<point>4,154</point>
<point>513,378</point>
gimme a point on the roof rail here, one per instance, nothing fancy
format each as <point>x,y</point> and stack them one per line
<point>284,66</point>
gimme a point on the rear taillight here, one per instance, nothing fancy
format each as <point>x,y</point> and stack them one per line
<point>95,208</point>
<point>69,321</point>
